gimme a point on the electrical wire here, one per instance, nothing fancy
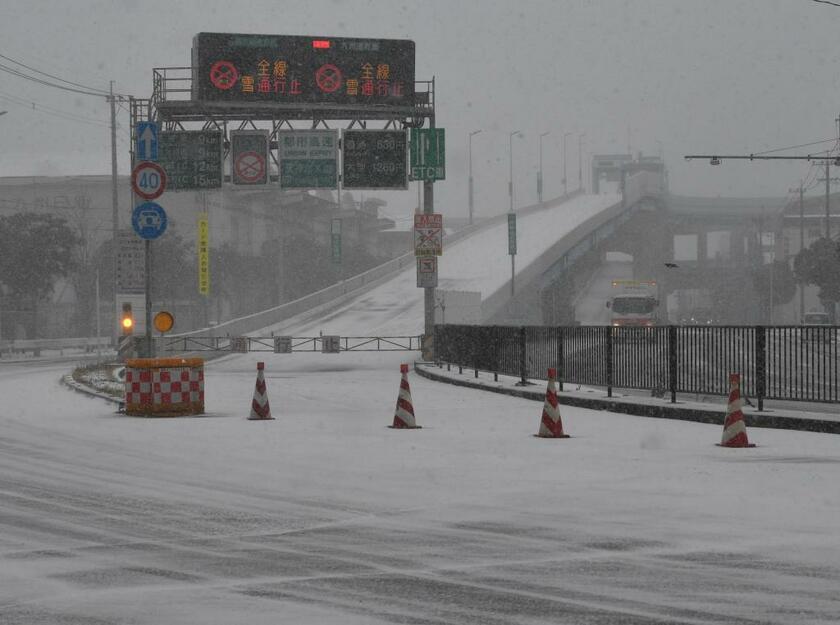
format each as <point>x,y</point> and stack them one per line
<point>69,82</point>
<point>43,108</point>
<point>791,147</point>
<point>47,83</point>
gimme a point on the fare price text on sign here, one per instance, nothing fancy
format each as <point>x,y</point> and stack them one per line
<point>375,159</point>
<point>192,159</point>
<point>203,255</point>
<point>305,70</point>
<point>428,234</point>
<point>308,159</point>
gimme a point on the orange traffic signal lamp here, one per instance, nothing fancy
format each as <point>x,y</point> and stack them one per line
<point>127,320</point>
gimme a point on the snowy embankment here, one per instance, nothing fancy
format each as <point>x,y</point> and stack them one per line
<point>477,263</point>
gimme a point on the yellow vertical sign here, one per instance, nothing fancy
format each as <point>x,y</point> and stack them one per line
<point>203,255</point>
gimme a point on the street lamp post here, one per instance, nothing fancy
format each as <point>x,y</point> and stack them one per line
<point>515,133</point>
<point>540,175</point>
<point>565,181</point>
<point>474,132</point>
<point>510,191</point>
<point>580,160</point>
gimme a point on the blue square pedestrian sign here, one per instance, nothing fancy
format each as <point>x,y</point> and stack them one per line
<point>147,141</point>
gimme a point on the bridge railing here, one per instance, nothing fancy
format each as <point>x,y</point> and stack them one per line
<point>779,362</point>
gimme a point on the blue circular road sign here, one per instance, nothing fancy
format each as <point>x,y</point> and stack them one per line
<point>149,220</point>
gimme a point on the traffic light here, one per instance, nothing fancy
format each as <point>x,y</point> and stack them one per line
<point>127,319</point>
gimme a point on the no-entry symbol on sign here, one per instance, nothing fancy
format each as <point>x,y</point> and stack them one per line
<point>250,167</point>
<point>328,78</point>
<point>223,75</point>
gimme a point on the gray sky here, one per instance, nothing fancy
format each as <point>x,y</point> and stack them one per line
<point>727,76</point>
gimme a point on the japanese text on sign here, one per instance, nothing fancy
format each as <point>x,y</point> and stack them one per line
<point>374,159</point>
<point>192,159</point>
<point>308,159</point>
<point>288,69</point>
<point>428,234</point>
<point>203,255</point>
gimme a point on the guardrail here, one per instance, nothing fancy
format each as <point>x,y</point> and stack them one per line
<point>36,346</point>
<point>287,344</point>
<point>780,362</point>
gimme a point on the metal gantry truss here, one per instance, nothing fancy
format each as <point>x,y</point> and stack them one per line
<point>172,107</point>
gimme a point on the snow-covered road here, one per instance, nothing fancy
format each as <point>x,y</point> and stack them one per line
<point>326,516</point>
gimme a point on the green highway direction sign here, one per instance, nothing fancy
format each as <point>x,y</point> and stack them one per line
<point>428,154</point>
<point>308,159</point>
<point>374,159</point>
<point>192,159</point>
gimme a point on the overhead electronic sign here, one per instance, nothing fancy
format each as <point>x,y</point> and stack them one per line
<point>374,159</point>
<point>305,70</point>
<point>192,159</point>
<point>308,159</point>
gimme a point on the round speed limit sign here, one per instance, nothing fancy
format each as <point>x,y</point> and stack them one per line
<point>148,180</point>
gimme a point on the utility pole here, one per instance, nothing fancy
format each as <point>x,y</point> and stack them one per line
<point>801,248</point>
<point>827,203</point>
<point>115,214</point>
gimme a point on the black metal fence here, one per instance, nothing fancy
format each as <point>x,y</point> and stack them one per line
<point>779,362</point>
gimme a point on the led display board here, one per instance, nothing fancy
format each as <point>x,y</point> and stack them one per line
<point>374,159</point>
<point>192,159</point>
<point>302,70</point>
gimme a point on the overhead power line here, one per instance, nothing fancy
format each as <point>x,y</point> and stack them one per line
<point>102,92</point>
<point>47,83</point>
<point>49,110</point>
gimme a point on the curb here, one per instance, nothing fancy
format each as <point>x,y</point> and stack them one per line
<point>69,382</point>
<point>668,411</point>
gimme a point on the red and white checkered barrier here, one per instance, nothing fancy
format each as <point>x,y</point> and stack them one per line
<point>162,387</point>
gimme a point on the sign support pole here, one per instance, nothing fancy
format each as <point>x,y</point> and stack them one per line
<point>150,350</point>
<point>429,293</point>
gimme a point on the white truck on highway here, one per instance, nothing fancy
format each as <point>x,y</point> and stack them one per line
<point>634,303</point>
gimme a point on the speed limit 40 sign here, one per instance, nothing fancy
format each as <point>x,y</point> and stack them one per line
<point>148,180</point>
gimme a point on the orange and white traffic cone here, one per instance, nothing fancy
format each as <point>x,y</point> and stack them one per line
<point>551,426</point>
<point>260,410</point>
<point>734,429</point>
<point>404,413</point>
